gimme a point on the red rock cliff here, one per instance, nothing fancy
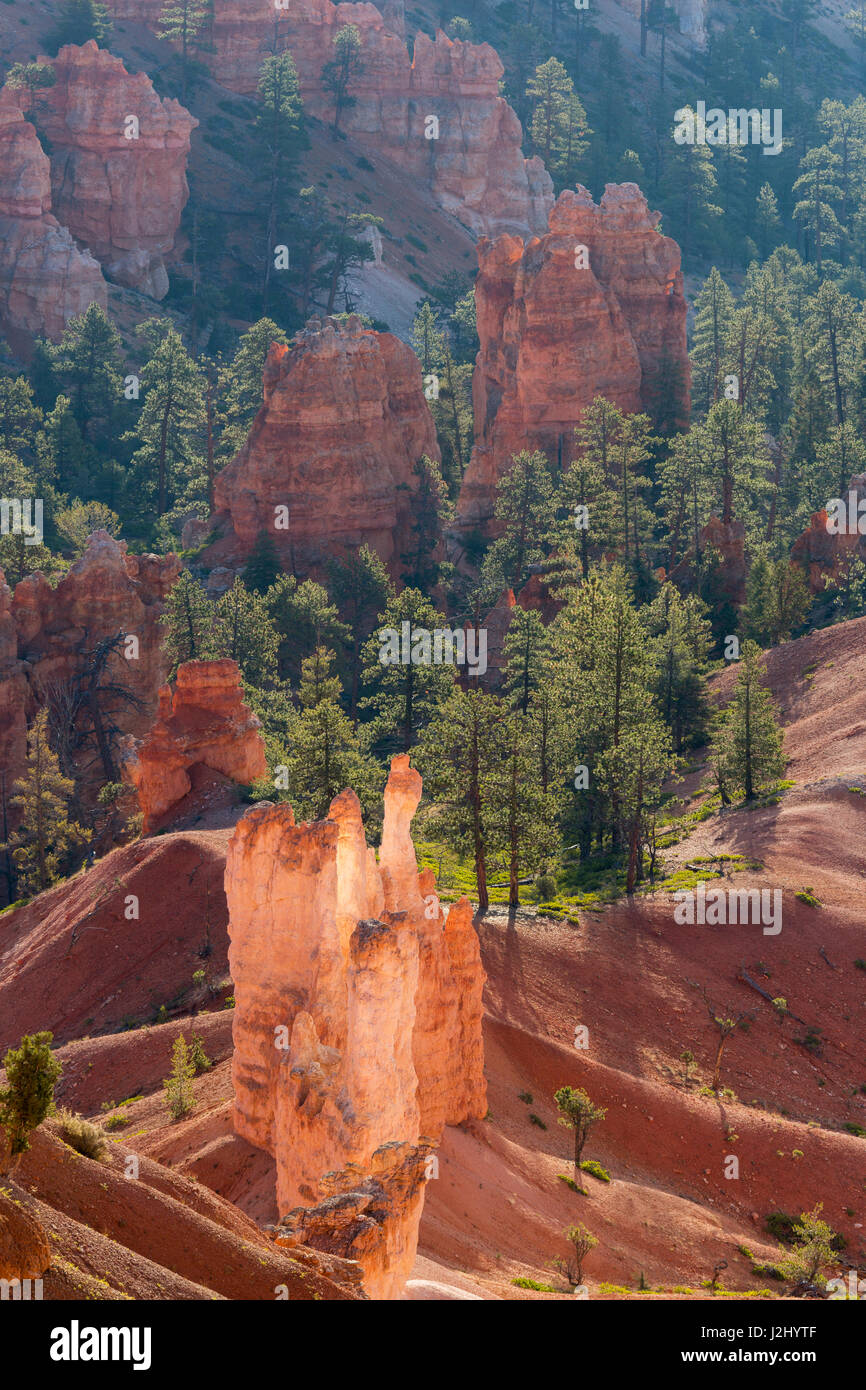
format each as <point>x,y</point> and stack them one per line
<point>120,197</point>
<point>45,279</point>
<point>553,336</point>
<point>203,720</point>
<point>357,1024</point>
<point>45,630</point>
<point>341,427</point>
<point>475,168</point>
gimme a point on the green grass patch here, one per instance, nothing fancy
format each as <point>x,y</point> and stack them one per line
<point>570,1182</point>
<point>595,1170</point>
<point>524,1283</point>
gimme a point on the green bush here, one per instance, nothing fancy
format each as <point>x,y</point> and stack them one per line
<point>82,1136</point>
<point>589,1165</point>
<point>28,1097</point>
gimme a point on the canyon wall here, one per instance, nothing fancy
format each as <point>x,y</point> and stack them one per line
<point>593,307</point>
<point>99,198</point>
<point>357,1026</point>
<point>120,187</point>
<point>201,719</point>
<point>342,425</point>
<point>474,166</point>
<point>45,631</point>
<point>45,279</point>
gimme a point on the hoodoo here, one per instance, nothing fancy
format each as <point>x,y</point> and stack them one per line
<point>357,1026</point>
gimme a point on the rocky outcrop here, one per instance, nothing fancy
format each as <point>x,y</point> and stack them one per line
<point>825,552</point>
<point>593,307</point>
<point>24,1248</point>
<point>201,720</point>
<point>329,461</point>
<point>473,165</point>
<point>45,279</point>
<point>46,631</point>
<point>357,1026</point>
<point>118,163</point>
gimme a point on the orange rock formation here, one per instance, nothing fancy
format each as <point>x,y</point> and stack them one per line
<point>473,166</point>
<point>560,325</point>
<point>357,1025</point>
<point>201,720</point>
<point>825,554</point>
<point>44,632</point>
<point>45,279</point>
<point>342,425</point>
<point>120,189</point>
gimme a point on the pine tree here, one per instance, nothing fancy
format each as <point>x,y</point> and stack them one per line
<point>777,599</point>
<point>305,618</point>
<point>526,820</point>
<point>344,67</point>
<point>681,638</point>
<point>361,588</point>
<point>427,339</point>
<point>430,515</point>
<point>263,566</point>
<point>87,367</point>
<point>525,506</point>
<point>460,757</point>
<point>172,413</point>
<point>179,1093</point>
<point>240,382</point>
<point>748,747</point>
<point>714,308</point>
<point>525,654</point>
<point>403,694</point>
<point>279,129</point>
<point>325,756</point>
<point>45,837</point>
<point>243,630</point>
<point>27,1099</point>
<point>182,22</point>
<point>77,22</point>
<point>767,218</point>
<point>818,189</point>
<point>187,622</point>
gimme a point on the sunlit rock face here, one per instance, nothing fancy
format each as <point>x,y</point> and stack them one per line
<point>594,307</point>
<point>357,1025</point>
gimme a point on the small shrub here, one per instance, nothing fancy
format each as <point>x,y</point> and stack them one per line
<point>524,1283</point>
<point>525,1096</point>
<point>589,1165</point>
<point>178,1084</point>
<point>82,1136</point>
<point>28,1097</point>
<point>533,1119</point>
<point>781,1225</point>
<point>569,1182</point>
<point>806,895</point>
<point>856,1130</point>
<point>198,1056</point>
<point>115,1122</point>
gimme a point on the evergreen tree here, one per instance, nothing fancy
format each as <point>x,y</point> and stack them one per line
<point>77,22</point>
<point>748,747</point>
<point>86,365</point>
<point>460,758</point>
<point>179,1093</point>
<point>182,22</point>
<point>187,622</point>
<point>325,756</point>
<point>171,416</point>
<point>240,383</point>
<point>46,837</point>
<point>344,67</point>
<point>526,821</point>
<point>777,599</point>
<point>263,566</point>
<point>430,514</point>
<point>279,125</point>
<point>305,618</point>
<point>525,507</point>
<point>361,588</point>
<point>817,184</point>
<point>27,1099</point>
<point>714,309</point>
<point>681,639</point>
<point>405,686</point>
<point>243,630</point>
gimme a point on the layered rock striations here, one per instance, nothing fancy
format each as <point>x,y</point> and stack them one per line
<point>45,279</point>
<point>357,1025</point>
<point>593,307</point>
<point>46,632</point>
<point>330,457</point>
<point>473,166</point>
<point>118,163</point>
<point>202,720</point>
